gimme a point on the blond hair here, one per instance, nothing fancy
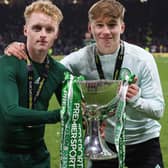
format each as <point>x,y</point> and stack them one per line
<point>106,8</point>
<point>46,7</point>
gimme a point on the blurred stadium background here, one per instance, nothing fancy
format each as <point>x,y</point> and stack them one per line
<point>146,23</point>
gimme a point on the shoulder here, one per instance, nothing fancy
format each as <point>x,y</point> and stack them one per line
<point>7,58</point>
<point>57,65</point>
<point>10,60</point>
<point>57,71</point>
<point>139,61</point>
<point>137,55</point>
<point>136,52</point>
<point>79,56</point>
<point>11,66</point>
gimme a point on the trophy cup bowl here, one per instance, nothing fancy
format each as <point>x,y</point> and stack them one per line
<point>100,97</point>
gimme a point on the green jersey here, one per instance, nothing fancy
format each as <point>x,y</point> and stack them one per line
<point>21,127</point>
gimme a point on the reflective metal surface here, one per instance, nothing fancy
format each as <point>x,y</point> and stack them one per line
<point>100,97</point>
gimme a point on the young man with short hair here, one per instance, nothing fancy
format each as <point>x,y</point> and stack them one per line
<point>26,88</point>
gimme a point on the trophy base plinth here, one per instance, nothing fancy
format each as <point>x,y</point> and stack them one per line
<point>102,156</point>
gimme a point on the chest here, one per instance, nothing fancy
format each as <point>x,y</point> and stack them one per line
<point>45,87</point>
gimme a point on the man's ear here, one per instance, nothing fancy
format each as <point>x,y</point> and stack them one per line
<point>89,28</point>
<point>25,30</point>
<point>122,28</point>
<point>57,34</point>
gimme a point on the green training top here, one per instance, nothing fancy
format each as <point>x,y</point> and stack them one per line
<point>20,127</point>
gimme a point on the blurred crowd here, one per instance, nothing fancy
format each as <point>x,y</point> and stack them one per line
<point>146,26</point>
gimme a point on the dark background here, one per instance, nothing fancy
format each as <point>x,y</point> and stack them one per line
<point>146,23</point>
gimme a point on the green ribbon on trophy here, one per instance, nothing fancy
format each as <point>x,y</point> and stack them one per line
<point>127,78</point>
<point>72,145</point>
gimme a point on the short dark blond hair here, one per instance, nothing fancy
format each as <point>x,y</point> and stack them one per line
<point>46,7</point>
<point>106,8</point>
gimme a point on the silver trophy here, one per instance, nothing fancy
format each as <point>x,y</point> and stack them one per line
<point>101,100</point>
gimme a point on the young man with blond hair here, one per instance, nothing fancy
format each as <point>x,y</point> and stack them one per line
<point>104,60</point>
<point>26,88</point>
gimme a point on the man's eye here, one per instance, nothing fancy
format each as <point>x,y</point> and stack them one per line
<point>36,28</point>
<point>49,30</point>
<point>99,25</point>
<point>111,25</point>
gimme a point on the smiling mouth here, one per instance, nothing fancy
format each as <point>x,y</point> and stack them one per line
<point>106,40</point>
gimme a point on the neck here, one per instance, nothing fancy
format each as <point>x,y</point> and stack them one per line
<point>37,56</point>
<point>111,50</point>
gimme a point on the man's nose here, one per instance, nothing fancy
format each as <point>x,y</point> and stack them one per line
<point>106,29</point>
<point>43,32</point>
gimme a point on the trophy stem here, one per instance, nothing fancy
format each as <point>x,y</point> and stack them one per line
<point>95,146</point>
